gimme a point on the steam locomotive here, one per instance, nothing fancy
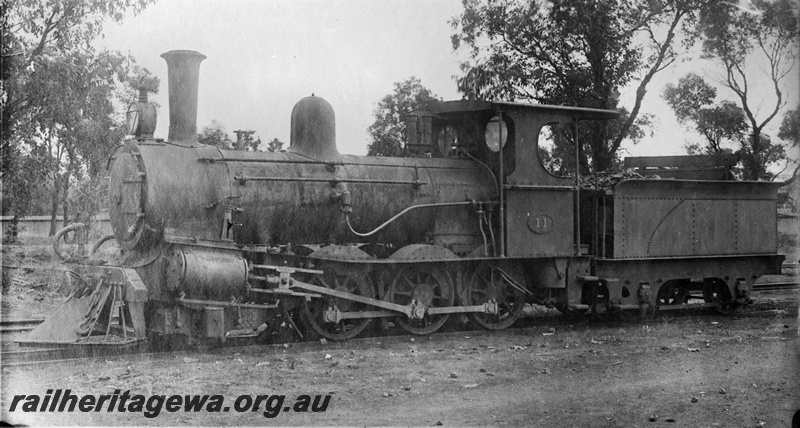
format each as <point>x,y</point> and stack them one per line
<point>219,244</point>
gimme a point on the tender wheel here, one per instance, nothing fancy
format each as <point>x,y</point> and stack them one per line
<point>428,286</point>
<point>595,295</point>
<point>490,282</point>
<point>716,291</point>
<point>313,311</point>
<point>672,293</point>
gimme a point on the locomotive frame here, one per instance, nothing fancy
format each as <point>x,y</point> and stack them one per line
<point>222,245</point>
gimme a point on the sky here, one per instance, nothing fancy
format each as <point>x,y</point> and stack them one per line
<point>265,55</point>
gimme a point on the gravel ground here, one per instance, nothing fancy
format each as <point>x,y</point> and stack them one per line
<point>687,371</point>
<point>690,370</point>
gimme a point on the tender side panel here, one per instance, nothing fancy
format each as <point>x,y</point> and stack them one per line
<point>675,218</point>
<point>757,226</point>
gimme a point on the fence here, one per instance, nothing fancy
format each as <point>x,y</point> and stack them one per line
<point>35,230</point>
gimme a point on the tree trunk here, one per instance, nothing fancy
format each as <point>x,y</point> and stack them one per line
<point>65,202</point>
<point>12,234</point>
<point>54,206</point>
<point>754,162</point>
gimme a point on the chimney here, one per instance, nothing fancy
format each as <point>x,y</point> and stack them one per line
<point>184,73</point>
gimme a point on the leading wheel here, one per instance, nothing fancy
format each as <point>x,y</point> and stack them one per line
<point>348,282</point>
<point>716,291</point>
<point>505,286</point>
<point>428,286</point>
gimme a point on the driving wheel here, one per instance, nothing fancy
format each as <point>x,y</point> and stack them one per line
<point>505,286</point>
<point>349,282</point>
<point>428,286</point>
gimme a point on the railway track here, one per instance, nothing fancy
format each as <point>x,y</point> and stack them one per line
<point>77,353</point>
<point>26,356</point>
<point>776,286</point>
<point>17,326</point>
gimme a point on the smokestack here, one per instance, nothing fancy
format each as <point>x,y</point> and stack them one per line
<point>184,74</point>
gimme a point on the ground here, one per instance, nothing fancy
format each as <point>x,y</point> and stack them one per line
<point>687,370</point>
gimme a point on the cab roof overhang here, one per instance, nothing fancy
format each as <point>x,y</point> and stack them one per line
<point>450,108</point>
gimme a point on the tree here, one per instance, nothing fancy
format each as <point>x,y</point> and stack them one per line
<point>34,28</point>
<point>275,145</point>
<point>572,52</point>
<point>790,127</point>
<point>246,141</point>
<point>693,101</point>
<point>689,96</point>
<point>71,124</point>
<point>56,97</point>
<point>733,34</point>
<point>388,130</point>
<point>22,192</point>
<point>215,135</point>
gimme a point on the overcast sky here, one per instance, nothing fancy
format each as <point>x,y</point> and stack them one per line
<point>264,56</point>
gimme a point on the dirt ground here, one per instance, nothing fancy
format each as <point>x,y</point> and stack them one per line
<point>688,370</point>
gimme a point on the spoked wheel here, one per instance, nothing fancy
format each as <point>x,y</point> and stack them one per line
<point>349,282</point>
<point>502,285</point>
<point>672,293</point>
<point>427,285</point>
<point>716,291</point>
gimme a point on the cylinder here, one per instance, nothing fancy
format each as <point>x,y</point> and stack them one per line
<point>184,74</point>
<point>205,272</point>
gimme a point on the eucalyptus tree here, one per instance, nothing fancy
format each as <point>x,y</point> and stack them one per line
<point>574,52</point>
<point>737,35</point>
<point>56,95</point>
<point>387,130</point>
<point>722,124</point>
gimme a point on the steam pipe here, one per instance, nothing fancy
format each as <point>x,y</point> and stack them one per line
<point>401,213</point>
<point>74,227</point>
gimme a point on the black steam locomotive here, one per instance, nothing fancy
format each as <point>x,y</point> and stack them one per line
<point>222,244</point>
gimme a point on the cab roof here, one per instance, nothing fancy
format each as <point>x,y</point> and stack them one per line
<point>452,108</point>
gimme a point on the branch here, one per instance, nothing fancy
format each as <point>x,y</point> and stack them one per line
<point>668,63</point>
<point>642,89</point>
<point>644,22</point>
<point>789,163</point>
<point>514,46</point>
<point>778,105</point>
<point>740,89</point>
<point>549,60</point>
<point>49,26</point>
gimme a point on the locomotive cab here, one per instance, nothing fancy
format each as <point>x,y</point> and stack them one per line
<point>539,207</point>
